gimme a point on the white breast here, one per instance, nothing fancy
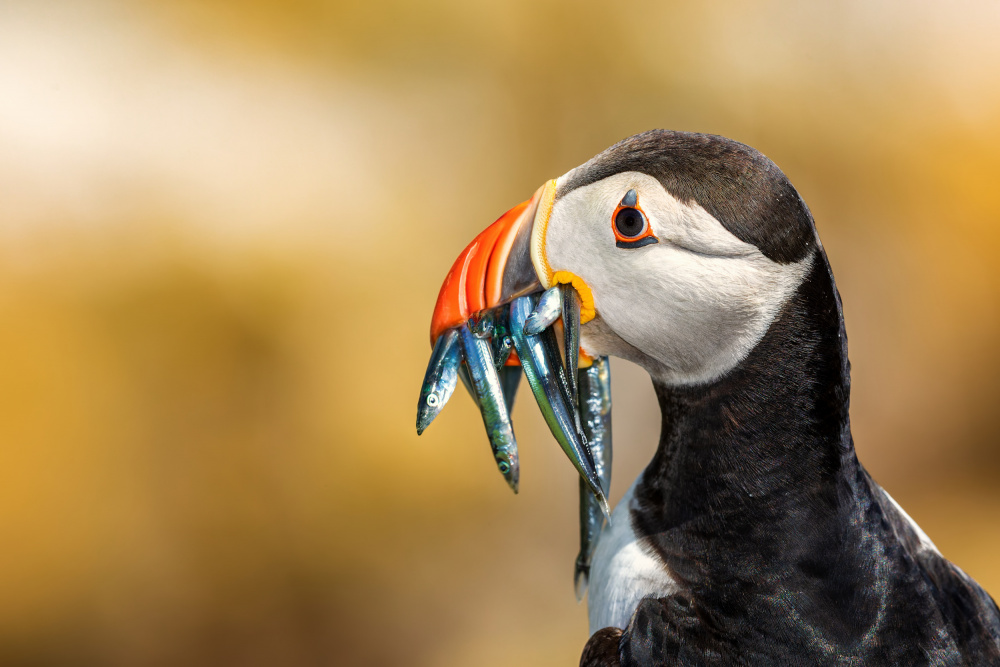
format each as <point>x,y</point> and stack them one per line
<point>623,571</point>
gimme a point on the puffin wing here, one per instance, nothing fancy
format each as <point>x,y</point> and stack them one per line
<point>662,631</point>
<point>969,614</point>
<point>602,649</point>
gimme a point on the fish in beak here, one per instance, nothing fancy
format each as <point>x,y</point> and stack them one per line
<point>494,316</point>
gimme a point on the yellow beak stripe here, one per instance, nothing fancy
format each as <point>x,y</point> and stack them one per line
<point>538,230</point>
<point>543,269</point>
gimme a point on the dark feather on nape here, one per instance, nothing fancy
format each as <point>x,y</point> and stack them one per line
<point>736,184</point>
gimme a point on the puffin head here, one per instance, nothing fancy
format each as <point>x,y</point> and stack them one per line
<point>683,248</point>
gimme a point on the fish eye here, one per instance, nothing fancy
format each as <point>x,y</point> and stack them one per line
<point>630,222</point>
<point>432,400</point>
<point>503,466</point>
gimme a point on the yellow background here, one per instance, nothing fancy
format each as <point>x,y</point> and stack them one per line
<point>223,225</point>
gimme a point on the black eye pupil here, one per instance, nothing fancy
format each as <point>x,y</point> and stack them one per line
<point>629,222</point>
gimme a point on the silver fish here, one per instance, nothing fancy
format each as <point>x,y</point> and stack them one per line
<point>546,312</point>
<point>500,334</point>
<point>490,398</point>
<point>541,369</point>
<point>463,375</point>
<point>502,349</point>
<point>571,338</point>
<point>440,378</point>
<point>481,324</point>
<point>595,415</point>
<point>503,345</point>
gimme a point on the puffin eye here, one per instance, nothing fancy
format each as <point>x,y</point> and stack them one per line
<point>630,225</point>
<point>629,222</point>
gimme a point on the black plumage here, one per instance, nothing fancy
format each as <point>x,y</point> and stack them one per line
<point>784,549</point>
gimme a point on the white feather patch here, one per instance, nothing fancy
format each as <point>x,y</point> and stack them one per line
<point>623,571</point>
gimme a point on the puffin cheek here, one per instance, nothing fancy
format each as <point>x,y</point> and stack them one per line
<point>581,249</point>
<point>598,339</point>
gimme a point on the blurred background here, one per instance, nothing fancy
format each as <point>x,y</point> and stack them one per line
<point>223,225</point>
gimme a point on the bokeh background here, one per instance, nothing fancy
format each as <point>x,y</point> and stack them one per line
<point>223,225</point>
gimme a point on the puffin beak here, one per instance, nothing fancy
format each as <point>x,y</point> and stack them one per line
<point>492,270</point>
<point>487,296</point>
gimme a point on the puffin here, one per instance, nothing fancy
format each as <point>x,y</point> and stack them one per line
<point>754,536</point>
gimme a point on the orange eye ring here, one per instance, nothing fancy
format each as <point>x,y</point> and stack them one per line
<point>630,224</point>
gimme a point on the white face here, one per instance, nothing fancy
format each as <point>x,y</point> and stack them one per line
<point>688,308</point>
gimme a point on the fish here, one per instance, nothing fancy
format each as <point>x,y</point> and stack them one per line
<point>489,395</point>
<point>440,378</point>
<point>595,416</point>
<point>542,371</point>
<point>571,338</point>
<point>546,312</point>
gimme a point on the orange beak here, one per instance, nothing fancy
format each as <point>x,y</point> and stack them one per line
<point>508,260</point>
<point>492,270</point>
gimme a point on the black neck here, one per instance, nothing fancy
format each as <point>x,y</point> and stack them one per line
<point>760,452</point>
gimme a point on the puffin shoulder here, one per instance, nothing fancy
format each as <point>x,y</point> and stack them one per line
<point>971,616</point>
